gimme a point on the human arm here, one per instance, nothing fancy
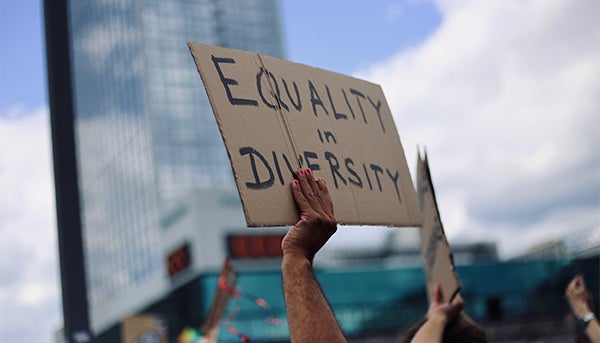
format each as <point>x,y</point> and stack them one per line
<point>310,317</point>
<point>578,298</point>
<point>439,314</point>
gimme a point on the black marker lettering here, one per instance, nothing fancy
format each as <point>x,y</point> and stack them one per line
<point>348,104</point>
<point>289,166</point>
<point>358,96</point>
<point>377,169</point>
<point>297,106</point>
<point>432,246</point>
<point>315,99</point>
<point>356,181</point>
<point>313,166</point>
<point>334,166</point>
<point>320,135</point>
<point>257,184</point>
<point>368,178</point>
<point>260,91</point>
<point>378,109</point>
<point>335,113</point>
<point>394,179</point>
<point>227,82</point>
<point>279,175</point>
<point>277,95</point>
<point>330,137</point>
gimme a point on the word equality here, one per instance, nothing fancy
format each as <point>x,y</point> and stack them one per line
<point>344,171</point>
<point>270,89</point>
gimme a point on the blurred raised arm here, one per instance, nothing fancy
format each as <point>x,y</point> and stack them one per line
<point>310,317</point>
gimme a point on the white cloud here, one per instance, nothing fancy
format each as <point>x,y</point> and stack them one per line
<point>504,96</point>
<point>29,293</point>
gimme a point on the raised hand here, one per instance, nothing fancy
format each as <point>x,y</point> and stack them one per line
<point>317,221</point>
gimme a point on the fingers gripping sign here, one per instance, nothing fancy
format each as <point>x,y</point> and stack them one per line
<point>317,221</point>
<point>309,190</point>
<point>440,308</point>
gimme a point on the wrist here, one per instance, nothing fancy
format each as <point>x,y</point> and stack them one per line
<point>295,244</point>
<point>291,259</point>
<point>439,319</point>
<point>296,253</point>
<point>581,310</point>
<point>584,320</point>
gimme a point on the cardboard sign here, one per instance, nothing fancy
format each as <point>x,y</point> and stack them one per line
<point>435,250</point>
<point>277,116</point>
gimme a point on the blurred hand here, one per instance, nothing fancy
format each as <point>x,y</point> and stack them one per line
<point>317,222</point>
<point>578,296</point>
<point>439,309</point>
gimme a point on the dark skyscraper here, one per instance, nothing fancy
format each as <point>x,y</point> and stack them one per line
<point>133,132</point>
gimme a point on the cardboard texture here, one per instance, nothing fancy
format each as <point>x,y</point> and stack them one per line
<point>435,250</point>
<point>277,116</point>
<point>143,328</point>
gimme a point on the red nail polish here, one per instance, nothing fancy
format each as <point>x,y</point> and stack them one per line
<point>295,182</point>
<point>308,171</point>
<point>301,171</point>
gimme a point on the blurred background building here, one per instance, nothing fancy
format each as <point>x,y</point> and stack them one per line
<point>148,210</point>
<point>145,142</point>
<point>578,244</point>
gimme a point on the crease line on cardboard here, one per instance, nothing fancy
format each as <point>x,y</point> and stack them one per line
<point>355,203</point>
<point>282,118</point>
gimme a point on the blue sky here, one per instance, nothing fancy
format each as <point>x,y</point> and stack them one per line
<point>22,64</point>
<point>346,38</point>
<point>358,34</point>
<point>503,93</point>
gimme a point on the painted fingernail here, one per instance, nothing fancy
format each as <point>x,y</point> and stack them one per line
<point>308,171</point>
<point>301,171</point>
<point>295,182</point>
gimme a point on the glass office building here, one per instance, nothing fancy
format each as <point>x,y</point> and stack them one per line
<point>189,149</point>
<point>144,130</point>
